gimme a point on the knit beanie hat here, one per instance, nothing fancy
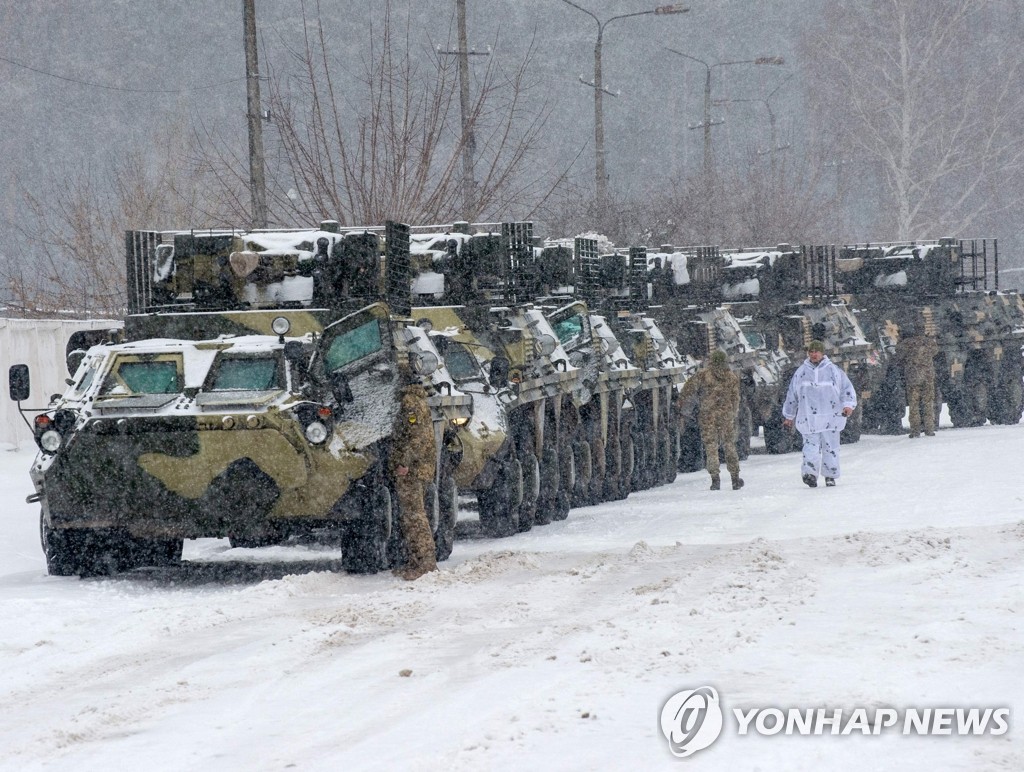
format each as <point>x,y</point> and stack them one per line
<point>816,345</point>
<point>719,358</point>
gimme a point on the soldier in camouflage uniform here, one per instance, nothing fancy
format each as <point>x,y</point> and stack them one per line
<point>412,465</point>
<point>717,389</point>
<point>916,356</point>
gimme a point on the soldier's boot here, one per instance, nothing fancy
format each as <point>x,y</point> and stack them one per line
<point>929,433</point>
<point>716,483</point>
<point>830,482</point>
<point>419,540</point>
<point>914,435</point>
<point>737,482</point>
<point>811,481</point>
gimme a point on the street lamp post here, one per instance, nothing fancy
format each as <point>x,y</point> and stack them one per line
<point>600,171</point>
<point>708,123</point>
<point>773,146</point>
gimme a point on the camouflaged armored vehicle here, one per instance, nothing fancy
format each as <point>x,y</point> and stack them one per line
<point>950,289</point>
<point>472,286</point>
<point>603,450</point>
<point>613,283</point>
<point>782,300</point>
<point>693,293</point>
<point>219,417</point>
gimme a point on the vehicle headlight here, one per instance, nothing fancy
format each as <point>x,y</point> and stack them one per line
<point>50,441</point>
<point>317,433</point>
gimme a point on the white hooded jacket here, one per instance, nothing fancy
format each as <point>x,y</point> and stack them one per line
<point>816,397</point>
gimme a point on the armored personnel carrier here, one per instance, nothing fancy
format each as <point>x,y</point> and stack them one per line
<point>473,286</point>
<point>697,308</point>
<point>949,289</point>
<point>781,296</point>
<point>613,285</point>
<point>237,406</point>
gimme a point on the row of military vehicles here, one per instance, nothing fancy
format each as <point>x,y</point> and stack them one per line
<point>252,389</point>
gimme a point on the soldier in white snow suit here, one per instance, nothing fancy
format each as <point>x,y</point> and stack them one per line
<point>819,399</point>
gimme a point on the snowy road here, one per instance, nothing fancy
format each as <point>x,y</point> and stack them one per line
<point>554,649</point>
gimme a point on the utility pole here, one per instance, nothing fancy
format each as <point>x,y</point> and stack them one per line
<point>468,138</point>
<point>600,169</point>
<point>257,181</point>
<point>463,52</point>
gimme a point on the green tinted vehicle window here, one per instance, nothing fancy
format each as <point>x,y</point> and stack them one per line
<point>460,363</point>
<point>756,340</point>
<point>567,329</point>
<point>150,377</point>
<point>235,374</point>
<point>354,344</point>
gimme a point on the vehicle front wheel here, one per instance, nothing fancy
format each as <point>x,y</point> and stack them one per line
<point>447,517</point>
<point>364,542</point>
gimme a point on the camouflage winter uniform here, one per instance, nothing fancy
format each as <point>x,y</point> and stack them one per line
<point>717,389</point>
<point>412,464</point>
<point>916,355</point>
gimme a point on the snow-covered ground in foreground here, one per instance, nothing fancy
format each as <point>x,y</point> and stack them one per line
<point>555,649</point>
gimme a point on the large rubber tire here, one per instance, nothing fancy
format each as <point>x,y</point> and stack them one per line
<point>851,433</point>
<point>501,504</point>
<point>744,431</point>
<point>968,406</point>
<point>1007,398</point>
<point>567,482</point>
<point>272,535</point>
<point>691,449</point>
<point>583,460</point>
<point>614,487</point>
<point>62,550</point>
<point>364,542</point>
<point>777,438</point>
<point>447,517</point>
<point>138,552</point>
<point>531,490</point>
<point>666,457</point>
<point>550,478</point>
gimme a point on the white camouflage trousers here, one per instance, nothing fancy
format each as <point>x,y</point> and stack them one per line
<point>821,452</point>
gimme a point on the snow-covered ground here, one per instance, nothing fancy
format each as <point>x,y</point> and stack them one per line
<point>903,587</point>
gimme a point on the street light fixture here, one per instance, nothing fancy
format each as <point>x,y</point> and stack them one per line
<point>708,123</point>
<point>600,173</point>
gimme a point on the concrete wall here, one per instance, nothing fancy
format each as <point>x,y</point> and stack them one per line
<point>39,343</point>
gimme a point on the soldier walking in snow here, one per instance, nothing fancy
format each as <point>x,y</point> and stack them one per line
<point>819,400</point>
<point>717,389</point>
<point>412,465</point>
<point>916,356</point>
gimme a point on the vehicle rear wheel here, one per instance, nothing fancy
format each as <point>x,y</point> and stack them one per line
<point>547,504</point>
<point>691,448</point>
<point>851,433</point>
<point>138,552</point>
<point>447,517</point>
<point>61,549</point>
<point>666,458</point>
<point>501,504</point>
<point>777,438</point>
<point>270,536</point>
<point>364,542</point>
<point>531,490</point>
<point>744,430</point>
<point>968,406</point>
<point>583,490</point>
<point>1007,402</point>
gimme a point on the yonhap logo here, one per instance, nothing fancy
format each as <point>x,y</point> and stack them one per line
<point>691,720</point>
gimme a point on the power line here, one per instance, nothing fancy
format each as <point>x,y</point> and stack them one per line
<point>116,88</point>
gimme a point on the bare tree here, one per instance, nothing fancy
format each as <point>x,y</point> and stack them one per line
<point>918,90</point>
<point>72,260</point>
<point>394,148</point>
